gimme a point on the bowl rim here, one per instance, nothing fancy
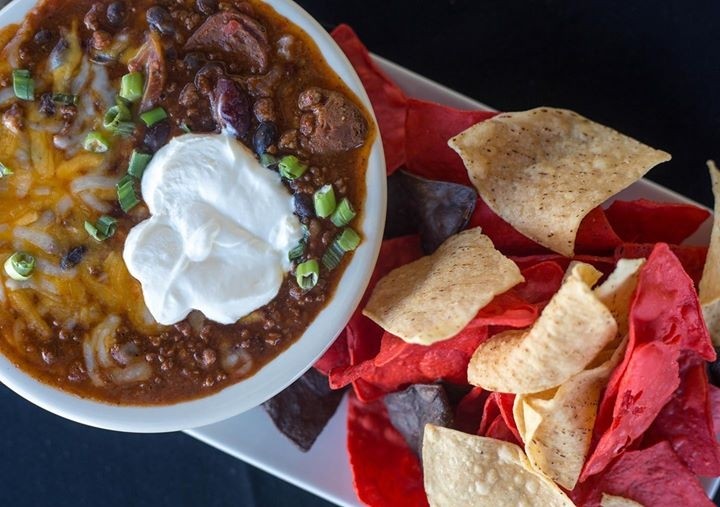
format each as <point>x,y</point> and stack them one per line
<point>289,364</point>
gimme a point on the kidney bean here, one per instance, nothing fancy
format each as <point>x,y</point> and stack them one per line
<point>265,136</point>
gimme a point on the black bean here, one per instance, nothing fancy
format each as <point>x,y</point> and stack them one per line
<point>231,107</point>
<point>43,38</point>
<point>194,61</point>
<point>73,257</point>
<point>47,105</point>
<point>116,13</point>
<point>157,136</point>
<point>160,20</point>
<point>304,207</point>
<point>207,7</point>
<point>265,136</point>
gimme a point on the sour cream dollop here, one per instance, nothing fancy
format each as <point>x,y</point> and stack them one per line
<point>220,232</point>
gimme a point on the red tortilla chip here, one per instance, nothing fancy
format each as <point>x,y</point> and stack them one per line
<point>644,221</point>
<point>714,397</point>
<point>686,422</point>
<point>542,281</point>
<point>497,419</point>
<point>665,322</point>
<point>654,477</point>
<point>337,356</point>
<point>429,126</point>
<point>469,411</point>
<point>692,258</point>
<point>388,101</point>
<point>596,236</point>
<point>385,471</point>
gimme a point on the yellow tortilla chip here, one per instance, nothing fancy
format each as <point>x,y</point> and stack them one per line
<point>618,501</point>
<point>543,170</point>
<point>463,470</point>
<point>435,297</point>
<point>617,291</point>
<point>709,288</point>
<point>556,425</point>
<point>572,330</point>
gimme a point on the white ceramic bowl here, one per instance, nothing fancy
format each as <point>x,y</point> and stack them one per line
<point>289,365</point>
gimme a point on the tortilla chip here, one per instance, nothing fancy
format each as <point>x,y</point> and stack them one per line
<point>434,209</point>
<point>469,411</point>
<point>617,501</point>
<point>420,404</point>
<point>643,221</point>
<point>617,291</point>
<point>462,470</point>
<point>543,170</point>
<point>691,257</point>
<point>557,425</point>
<point>709,288</point>
<point>434,298</point>
<point>549,353</point>
<point>303,409</point>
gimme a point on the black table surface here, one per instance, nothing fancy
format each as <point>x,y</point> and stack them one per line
<point>648,68</point>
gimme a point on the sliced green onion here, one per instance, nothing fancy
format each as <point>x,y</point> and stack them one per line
<point>298,251</point>
<point>333,255</point>
<point>96,143</point>
<point>324,201</point>
<point>127,197</point>
<point>4,170</point>
<point>291,168</point>
<point>344,213</point>
<point>153,116</point>
<point>184,127</point>
<point>348,240</point>
<point>23,84</point>
<point>115,115</point>
<point>125,128</point>
<point>67,99</point>
<point>267,160</point>
<point>20,266</point>
<point>104,228</point>
<point>131,86</point>
<point>138,163</point>
<point>307,274</point>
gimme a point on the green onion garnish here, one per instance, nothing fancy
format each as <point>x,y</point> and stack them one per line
<point>20,266</point>
<point>333,255</point>
<point>125,128</point>
<point>298,251</point>
<point>4,170</point>
<point>344,213</point>
<point>153,116</point>
<point>324,201</point>
<point>131,86</point>
<point>184,127</point>
<point>67,99</point>
<point>115,115</point>
<point>23,84</point>
<point>96,143</point>
<point>267,160</point>
<point>348,239</point>
<point>127,197</point>
<point>138,163</point>
<point>291,168</point>
<point>104,228</point>
<point>307,274</point>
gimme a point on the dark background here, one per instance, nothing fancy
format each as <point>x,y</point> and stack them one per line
<point>649,68</point>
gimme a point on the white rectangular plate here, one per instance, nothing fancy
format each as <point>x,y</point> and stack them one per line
<point>324,470</point>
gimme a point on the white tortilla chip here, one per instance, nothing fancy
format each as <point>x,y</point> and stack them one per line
<point>618,501</point>
<point>435,297</point>
<point>617,291</point>
<point>543,170</point>
<point>556,425</point>
<point>709,289</point>
<point>572,330</point>
<point>464,470</point>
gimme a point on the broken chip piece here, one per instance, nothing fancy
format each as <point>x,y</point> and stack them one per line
<point>420,404</point>
<point>462,470</point>
<point>302,410</point>
<point>709,288</point>
<point>434,209</point>
<point>544,169</point>
<point>549,353</point>
<point>435,297</point>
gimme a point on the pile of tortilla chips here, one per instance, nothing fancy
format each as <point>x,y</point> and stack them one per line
<point>519,344</point>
